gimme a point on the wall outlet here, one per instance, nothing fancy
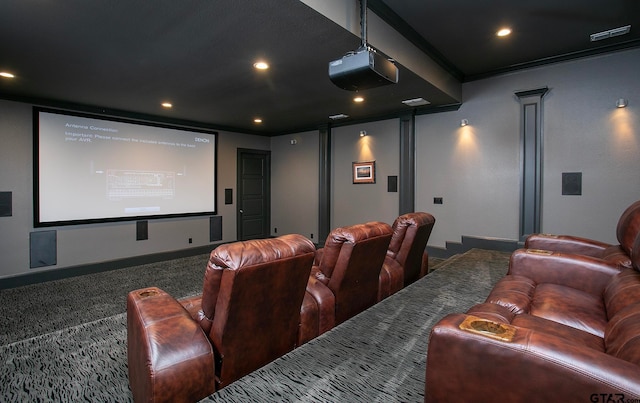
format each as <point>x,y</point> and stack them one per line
<point>311,236</point>
<point>190,240</point>
<point>437,200</point>
<point>275,230</point>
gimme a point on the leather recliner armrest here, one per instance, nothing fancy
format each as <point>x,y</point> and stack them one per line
<point>391,278</point>
<point>534,366</point>
<point>169,357</point>
<point>326,304</point>
<point>424,267</point>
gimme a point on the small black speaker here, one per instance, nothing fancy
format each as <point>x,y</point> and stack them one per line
<point>572,183</point>
<point>215,228</point>
<point>5,204</point>
<point>43,248</point>
<point>142,230</point>
<point>392,183</point>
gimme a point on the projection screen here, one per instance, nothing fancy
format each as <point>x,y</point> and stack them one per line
<point>90,168</point>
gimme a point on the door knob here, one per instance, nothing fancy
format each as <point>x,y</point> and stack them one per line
<point>241,211</point>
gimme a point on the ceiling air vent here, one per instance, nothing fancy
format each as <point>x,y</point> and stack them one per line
<point>610,33</point>
<point>416,102</point>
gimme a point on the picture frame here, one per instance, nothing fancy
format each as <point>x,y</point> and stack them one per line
<point>364,172</point>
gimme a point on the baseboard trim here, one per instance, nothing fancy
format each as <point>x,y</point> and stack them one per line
<point>73,271</point>
<point>473,242</point>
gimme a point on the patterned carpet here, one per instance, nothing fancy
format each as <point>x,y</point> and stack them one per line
<point>66,340</point>
<point>46,307</point>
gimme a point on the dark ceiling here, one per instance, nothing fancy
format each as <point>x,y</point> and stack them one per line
<point>126,57</point>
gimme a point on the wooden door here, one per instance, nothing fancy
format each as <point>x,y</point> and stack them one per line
<point>254,197</point>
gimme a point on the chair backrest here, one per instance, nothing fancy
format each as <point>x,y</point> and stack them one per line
<point>351,260</point>
<point>252,297</point>
<point>411,233</point>
<point>628,227</point>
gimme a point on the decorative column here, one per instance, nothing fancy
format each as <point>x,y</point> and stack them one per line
<point>324,213</point>
<point>407,180</point>
<point>531,139</point>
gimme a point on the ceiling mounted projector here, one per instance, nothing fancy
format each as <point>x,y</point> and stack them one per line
<point>362,70</point>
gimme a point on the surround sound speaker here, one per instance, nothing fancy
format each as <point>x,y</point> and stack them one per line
<point>215,228</point>
<point>43,249</point>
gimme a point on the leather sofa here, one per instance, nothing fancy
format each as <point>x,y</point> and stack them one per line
<point>344,277</point>
<point>559,327</point>
<point>406,260</point>
<point>247,316</point>
<point>627,229</point>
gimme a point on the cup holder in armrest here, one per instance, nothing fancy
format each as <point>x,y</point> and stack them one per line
<point>539,252</point>
<point>489,328</point>
<point>148,293</point>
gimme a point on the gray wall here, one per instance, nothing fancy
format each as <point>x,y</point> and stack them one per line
<point>294,188</point>
<point>358,203</point>
<point>476,169</point>
<point>86,244</point>
<point>294,184</point>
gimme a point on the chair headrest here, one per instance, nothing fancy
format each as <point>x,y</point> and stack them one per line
<point>246,253</point>
<point>417,219</point>
<point>358,232</point>
<point>405,221</point>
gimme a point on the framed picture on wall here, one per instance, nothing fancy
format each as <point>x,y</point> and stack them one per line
<point>364,172</point>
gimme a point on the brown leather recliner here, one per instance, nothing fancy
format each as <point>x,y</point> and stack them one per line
<point>247,316</point>
<point>344,278</point>
<point>627,230</point>
<point>406,260</point>
<point>558,327</point>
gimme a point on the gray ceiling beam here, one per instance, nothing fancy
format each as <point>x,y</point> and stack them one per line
<point>387,40</point>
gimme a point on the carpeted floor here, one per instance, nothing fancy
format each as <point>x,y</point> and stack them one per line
<point>66,340</point>
<point>46,307</point>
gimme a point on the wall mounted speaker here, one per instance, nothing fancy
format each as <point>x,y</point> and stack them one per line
<point>142,230</point>
<point>215,228</point>
<point>5,204</point>
<point>392,183</point>
<point>43,249</point>
<point>572,183</point>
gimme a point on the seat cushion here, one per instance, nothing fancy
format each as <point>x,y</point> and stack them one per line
<point>561,304</point>
<point>568,333</point>
<point>571,307</point>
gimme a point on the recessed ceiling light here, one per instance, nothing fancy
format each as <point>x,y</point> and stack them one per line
<point>504,32</point>
<point>167,105</point>
<point>6,74</point>
<point>261,65</point>
<point>257,120</point>
<point>358,99</point>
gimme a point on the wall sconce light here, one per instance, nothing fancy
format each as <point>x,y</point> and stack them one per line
<point>622,103</point>
<point>294,142</point>
<point>464,122</point>
<point>363,133</point>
